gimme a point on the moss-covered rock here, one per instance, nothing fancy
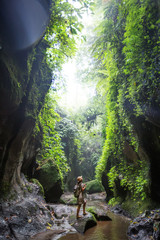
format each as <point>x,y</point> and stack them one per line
<point>94,186</point>
<point>49,176</point>
<point>68,198</point>
<point>84,223</point>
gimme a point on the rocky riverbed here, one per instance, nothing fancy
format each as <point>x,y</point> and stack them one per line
<point>30,217</point>
<point>146,226</point>
<point>64,216</point>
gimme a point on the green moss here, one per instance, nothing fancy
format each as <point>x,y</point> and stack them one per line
<point>35,181</point>
<point>4,189</point>
<point>94,186</point>
<point>92,210</point>
<point>49,174</point>
<point>135,207</point>
<point>50,178</point>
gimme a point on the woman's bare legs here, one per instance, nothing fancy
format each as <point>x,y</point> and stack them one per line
<point>84,206</point>
<point>78,209</point>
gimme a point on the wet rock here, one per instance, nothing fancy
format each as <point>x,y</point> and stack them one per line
<point>118,210</point>
<point>84,223</point>
<point>156,228</point>
<point>69,199</point>
<point>105,182</point>
<point>63,224</point>
<point>141,229</point>
<point>146,226</point>
<point>100,212</point>
<point>21,219</point>
<point>47,235</point>
<point>4,229</point>
<point>61,210</point>
<point>96,204</point>
<point>100,215</point>
<point>61,215</point>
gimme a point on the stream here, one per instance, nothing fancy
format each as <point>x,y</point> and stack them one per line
<point>105,230</point>
<point>115,229</point>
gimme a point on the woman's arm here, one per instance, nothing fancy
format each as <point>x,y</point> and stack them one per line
<point>83,187</point>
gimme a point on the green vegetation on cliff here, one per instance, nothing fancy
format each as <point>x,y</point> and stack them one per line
<point>51,141</point>
<point>127,50</point>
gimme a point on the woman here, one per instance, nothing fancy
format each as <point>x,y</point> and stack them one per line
<point>81,198</point>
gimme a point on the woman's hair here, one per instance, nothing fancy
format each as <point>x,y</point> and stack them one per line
<point>79,178</point>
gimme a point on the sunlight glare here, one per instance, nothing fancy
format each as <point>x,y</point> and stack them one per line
<point>76,94</point>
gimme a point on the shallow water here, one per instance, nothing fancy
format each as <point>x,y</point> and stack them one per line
<point>105,230</point>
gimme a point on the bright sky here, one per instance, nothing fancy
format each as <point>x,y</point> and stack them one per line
<point>76,94</point>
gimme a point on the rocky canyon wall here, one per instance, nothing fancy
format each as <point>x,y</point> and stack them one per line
<point>24,81</point>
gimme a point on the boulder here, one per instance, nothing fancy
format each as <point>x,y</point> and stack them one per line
<point>68,198</point>
<point>84,223</point>
<point>100,215</point>
<point>99,210</point>
<point>94,186</point>
<point>49,176</point>
<point>24,217</point>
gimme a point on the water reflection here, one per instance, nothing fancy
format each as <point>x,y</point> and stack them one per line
<point>110,230</point>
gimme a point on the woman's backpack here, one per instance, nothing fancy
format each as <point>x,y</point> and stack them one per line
<point>76,190</point>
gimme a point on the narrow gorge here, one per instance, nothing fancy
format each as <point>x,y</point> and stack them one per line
<point>114,141</point>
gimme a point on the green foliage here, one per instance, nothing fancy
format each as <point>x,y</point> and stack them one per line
<point>51,143</point>
<point>133,178</point>
<point>69,135</point>
<point>113,174</point>
<point>141,49</point>
<point>91,148</point>
<point>125,60</point>
<point>126,51</point>
<point>81,136</point>
<point>114,201</point>
<point>65,25</point>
